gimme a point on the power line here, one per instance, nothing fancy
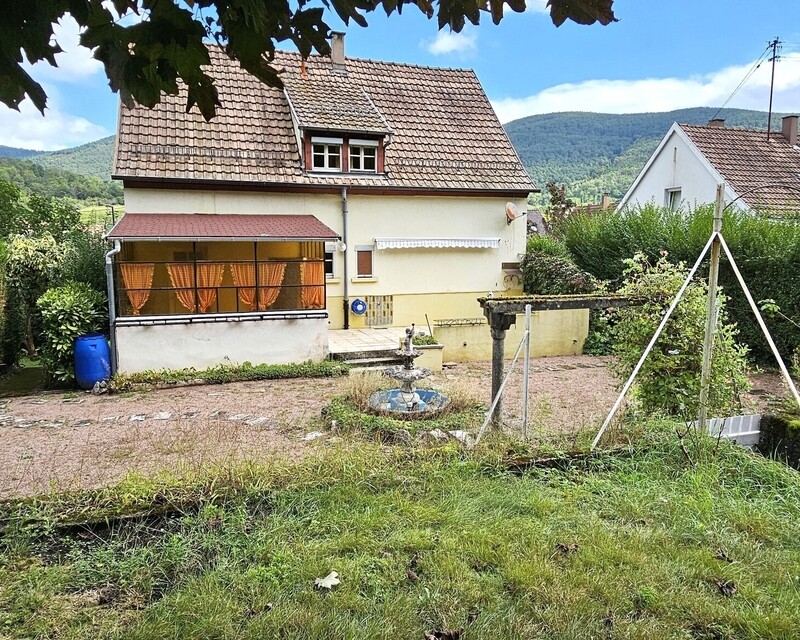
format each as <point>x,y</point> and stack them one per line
<point>774,46</point>
<point>747,76</point>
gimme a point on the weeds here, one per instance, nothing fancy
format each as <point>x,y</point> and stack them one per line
<point>608,547</point>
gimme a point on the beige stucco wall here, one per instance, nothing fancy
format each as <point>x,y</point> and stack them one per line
<point>441,282</point>
<point>204,345</point>
<point>553,333</point>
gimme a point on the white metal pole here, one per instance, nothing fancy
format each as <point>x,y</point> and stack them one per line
<point>761,323</point>
<point>526,372</point>
<point>649,348</point>
<point>711,311</point>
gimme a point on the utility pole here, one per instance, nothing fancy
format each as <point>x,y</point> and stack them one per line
<point>774,44</point>
<point>711,311</point>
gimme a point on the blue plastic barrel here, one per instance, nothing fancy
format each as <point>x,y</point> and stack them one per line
<point>92,360</point>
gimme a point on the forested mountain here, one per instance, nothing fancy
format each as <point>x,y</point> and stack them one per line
<point>14,152</point>
<point>49,181</point>
<point>596,153</point>
<point>92,159</point>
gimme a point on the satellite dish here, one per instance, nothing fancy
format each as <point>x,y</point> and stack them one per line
<point>512,212</point>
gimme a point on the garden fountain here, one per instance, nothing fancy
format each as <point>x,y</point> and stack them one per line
<point>408,401</point>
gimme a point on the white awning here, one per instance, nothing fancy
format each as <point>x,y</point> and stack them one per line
<point>437,243</point>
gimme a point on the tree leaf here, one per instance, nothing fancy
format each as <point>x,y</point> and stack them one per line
<point>328,582</point>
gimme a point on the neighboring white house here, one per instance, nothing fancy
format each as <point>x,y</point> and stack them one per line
<point>247,237</point>
<point>760,173</point>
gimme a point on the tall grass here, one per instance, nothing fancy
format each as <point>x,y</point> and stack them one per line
<point>423,541</point>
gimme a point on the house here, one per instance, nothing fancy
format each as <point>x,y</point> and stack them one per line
<point>761,173</point>
<point>363,193</point>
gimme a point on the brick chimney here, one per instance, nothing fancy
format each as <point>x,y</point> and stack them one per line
<point>337,51</point>
<point>789,129</point>
<point>717,122</point>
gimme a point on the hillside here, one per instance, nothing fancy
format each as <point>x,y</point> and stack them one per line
<point>14,152</point>
<point>596,153</point>
<point>92,159</point>
<point>50,181</point>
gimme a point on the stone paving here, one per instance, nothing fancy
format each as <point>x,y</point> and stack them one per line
<point>9,420</point>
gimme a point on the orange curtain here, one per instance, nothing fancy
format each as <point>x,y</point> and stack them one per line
<point>244,277</point>
<point>138,280</point>
<point>209,279</point>
<point>182,278</point>
<point>312,275</point>
<point>271,274</point>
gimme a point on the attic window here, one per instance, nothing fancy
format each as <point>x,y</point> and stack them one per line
<point>363,155</point>
<point>326,154</point>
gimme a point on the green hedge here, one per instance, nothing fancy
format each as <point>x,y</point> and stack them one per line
<point>766,251</point>
<point>232,373</point>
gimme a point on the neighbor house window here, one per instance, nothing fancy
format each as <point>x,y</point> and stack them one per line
<point>326,154</point>
<point>672,199</point>
<point>364,261</point>
<point>363,155</point>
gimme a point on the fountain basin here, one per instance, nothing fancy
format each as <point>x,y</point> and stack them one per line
<point>400,403</point>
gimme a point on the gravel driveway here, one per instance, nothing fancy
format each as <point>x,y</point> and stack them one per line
<point>75,441</point>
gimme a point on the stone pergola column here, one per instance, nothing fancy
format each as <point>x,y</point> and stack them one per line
<point>499,323</point>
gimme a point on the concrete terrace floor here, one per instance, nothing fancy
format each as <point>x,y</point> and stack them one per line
<point>366,339</point>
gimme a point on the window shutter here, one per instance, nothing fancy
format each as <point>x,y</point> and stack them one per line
<point>364,263</point>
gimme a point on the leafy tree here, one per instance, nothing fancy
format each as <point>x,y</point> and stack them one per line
<point>35,214</point>
<point>30,266</point>
<point>560,206</point>
<point>143,60</point>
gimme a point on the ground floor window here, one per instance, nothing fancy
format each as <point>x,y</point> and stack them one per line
<point>164,278</point>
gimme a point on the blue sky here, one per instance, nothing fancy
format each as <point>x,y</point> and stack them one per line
<point>660,56</point>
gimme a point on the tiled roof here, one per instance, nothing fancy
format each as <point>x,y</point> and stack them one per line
<point>765,172</point>
<point>187,226</point>
<point>444,132</point>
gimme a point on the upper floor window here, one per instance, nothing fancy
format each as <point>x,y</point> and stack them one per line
<point>363,155</point>
<point>672,199</point>
<point>326,154</point>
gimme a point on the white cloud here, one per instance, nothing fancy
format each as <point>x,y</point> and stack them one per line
<point>665,94</point>
<point>75,64</point>
<point>27,128</point>
<point>447,42</point>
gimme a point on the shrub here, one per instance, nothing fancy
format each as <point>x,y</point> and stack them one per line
<point>669,381</point>
<point>553,275</point>
<point>547,245</point>
<point>68,312</point>
<point>84,260</point>
<point>766,251</point>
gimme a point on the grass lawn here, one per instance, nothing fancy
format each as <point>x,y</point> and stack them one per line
<point>644,545</point>
<point>27,379</point>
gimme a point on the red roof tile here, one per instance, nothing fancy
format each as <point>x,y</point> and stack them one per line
<point>444,132</point>
<point>200,226</point>
<point>766,173</point>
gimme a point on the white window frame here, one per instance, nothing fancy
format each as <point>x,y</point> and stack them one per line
<point>357,149</point>
<point>365,248</point>
<point>672,198</point>
<point>330,249</point>
<point>332,147</point>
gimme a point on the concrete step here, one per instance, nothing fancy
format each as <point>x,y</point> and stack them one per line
<point>378,352</point>
<point>372,363</point>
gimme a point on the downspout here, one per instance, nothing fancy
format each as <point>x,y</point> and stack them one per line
<point>112,307</point>
<point>346,272</point>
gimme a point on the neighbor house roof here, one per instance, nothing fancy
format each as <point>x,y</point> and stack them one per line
<point>765,173</point>
<point>441,131</point>
<point>199,226</point>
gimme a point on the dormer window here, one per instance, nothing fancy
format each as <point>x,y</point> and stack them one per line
<point>363,155</point>
<point>326,154</point>
<point>343,155</point>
